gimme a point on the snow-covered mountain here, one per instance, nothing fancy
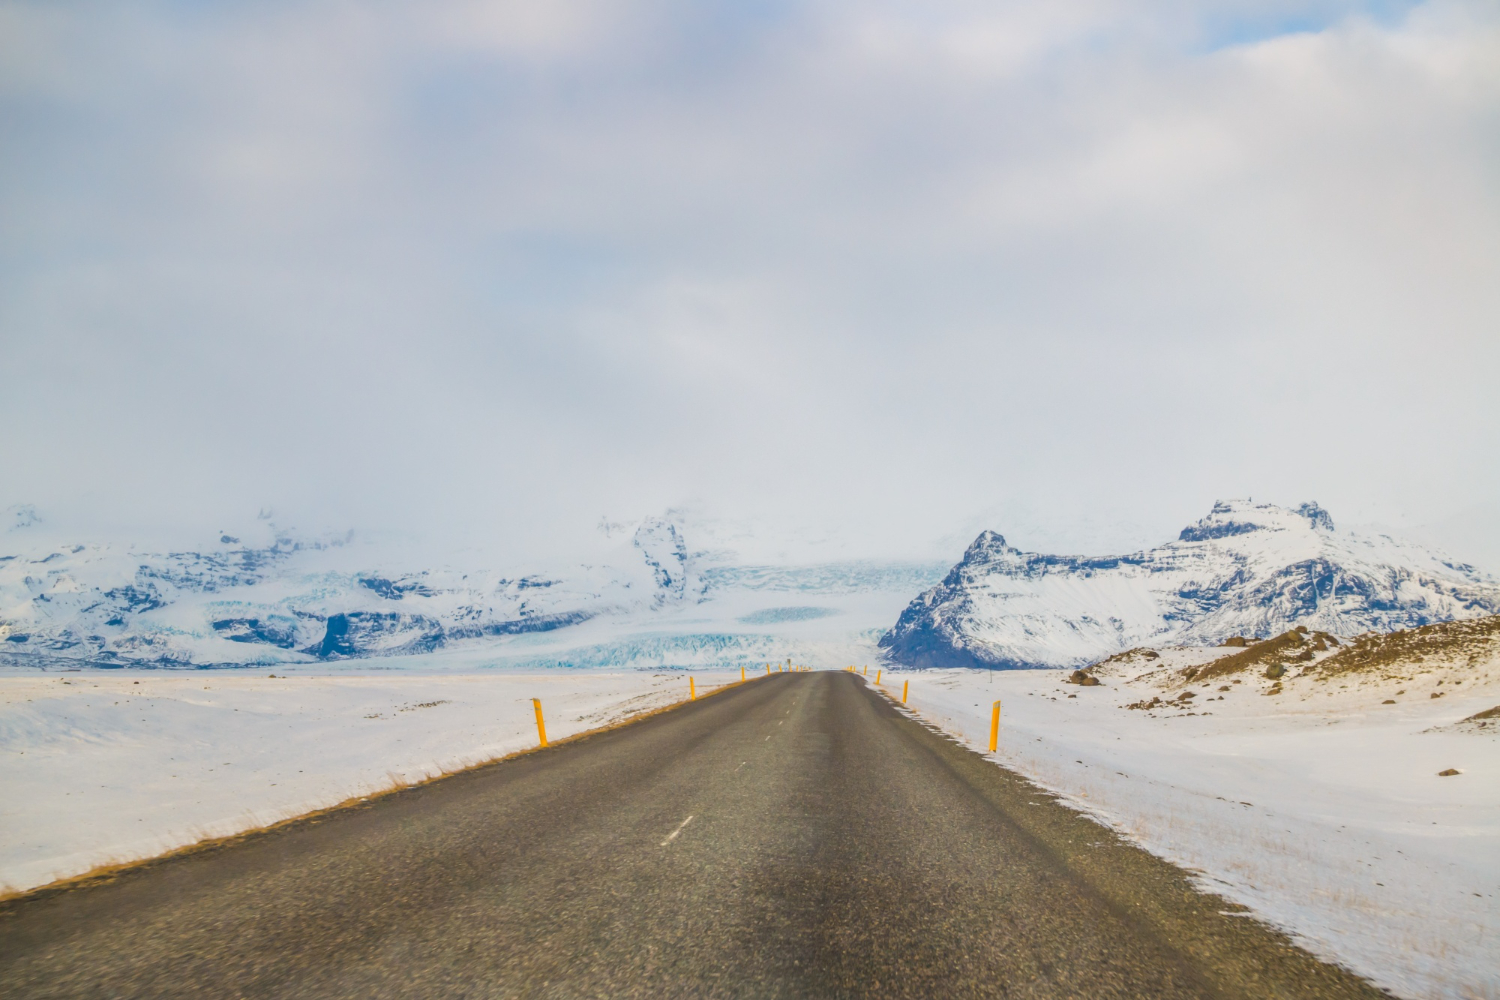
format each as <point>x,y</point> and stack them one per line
<point>647,598</point>
<point>1245,569</point>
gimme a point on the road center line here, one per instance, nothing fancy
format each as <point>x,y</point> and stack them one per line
<point>673,835</point>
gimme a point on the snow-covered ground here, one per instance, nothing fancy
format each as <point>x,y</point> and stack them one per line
<point>109,766</point>
<point>1319,807</point>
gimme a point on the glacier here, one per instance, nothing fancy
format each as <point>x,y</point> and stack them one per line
<point>1246,569</point>
<point>660,592</point>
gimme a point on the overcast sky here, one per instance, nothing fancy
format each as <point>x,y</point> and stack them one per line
<point>884,272</point>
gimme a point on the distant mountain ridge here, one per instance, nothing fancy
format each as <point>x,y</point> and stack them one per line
<point>1245,569</point>
<point>296,601</point>
<point>645,598</point>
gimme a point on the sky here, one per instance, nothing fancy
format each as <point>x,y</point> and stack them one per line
<point>868,276</point>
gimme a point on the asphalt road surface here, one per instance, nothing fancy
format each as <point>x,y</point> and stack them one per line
<point>796,836</point>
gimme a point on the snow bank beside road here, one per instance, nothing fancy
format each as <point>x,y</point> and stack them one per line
<point>1321,810</point>
<point>108,766</point>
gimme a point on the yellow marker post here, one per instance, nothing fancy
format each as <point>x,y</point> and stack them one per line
<point>995,728</point>
<point>541,727</point>
<point>877,675</point>
<point>867,671</point>
<point>742,673</point>
<point>768,670</point>
<point>904,686</point>
<point>692,690</point>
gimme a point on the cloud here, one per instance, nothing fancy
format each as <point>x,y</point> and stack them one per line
<point>494,269</point>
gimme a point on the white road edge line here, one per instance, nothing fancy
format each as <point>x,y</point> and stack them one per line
<point>673,835</point>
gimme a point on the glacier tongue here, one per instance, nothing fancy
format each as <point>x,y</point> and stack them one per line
<point>1245,569</point>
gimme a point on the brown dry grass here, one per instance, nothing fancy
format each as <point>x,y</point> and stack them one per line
<point>1466,643</point>
<point>1279,649</point>
<point>1127,658</point>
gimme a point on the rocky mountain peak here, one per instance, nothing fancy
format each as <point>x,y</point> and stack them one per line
<point>665,552</point>
<point>1244,569</point>
<point>989,546</point>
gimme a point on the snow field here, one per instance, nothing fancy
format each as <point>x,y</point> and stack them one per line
<point>1321,808</point>
<point>103,767</point>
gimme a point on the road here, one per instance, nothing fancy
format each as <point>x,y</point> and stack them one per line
<point>797,836</point>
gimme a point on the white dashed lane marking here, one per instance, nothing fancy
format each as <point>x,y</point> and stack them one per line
<point>673,835</point>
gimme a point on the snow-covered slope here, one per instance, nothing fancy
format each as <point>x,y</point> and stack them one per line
<point>645,598</point>
<point>1245,569</point>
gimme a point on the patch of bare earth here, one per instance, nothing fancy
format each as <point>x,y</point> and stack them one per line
<point>1462,643</point>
